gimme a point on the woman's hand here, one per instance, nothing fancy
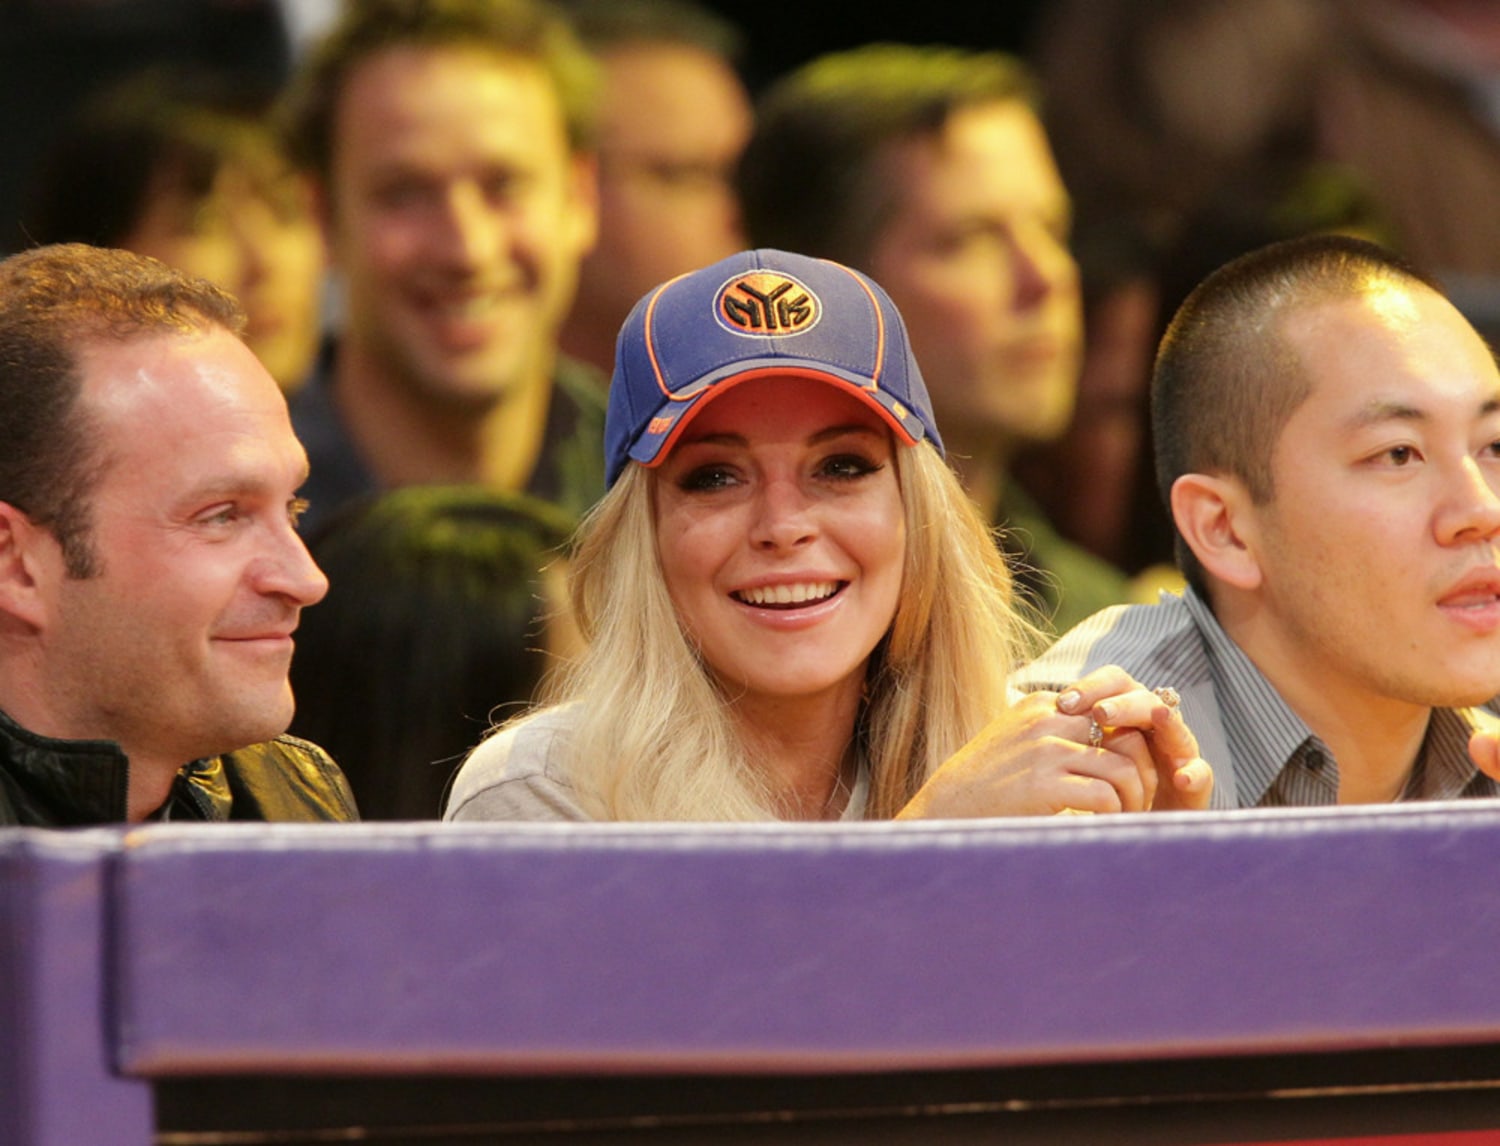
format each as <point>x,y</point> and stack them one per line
<point>1146,725</point>
<point>1107,744</point>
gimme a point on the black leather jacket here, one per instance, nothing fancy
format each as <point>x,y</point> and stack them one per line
<point>52,783</point>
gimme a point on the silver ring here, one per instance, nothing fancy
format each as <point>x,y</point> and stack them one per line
<point>1096,734</point>
<point>1168,696</point>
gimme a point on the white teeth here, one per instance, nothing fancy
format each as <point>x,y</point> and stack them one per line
<point>788,594</point>
<point>470,309</point>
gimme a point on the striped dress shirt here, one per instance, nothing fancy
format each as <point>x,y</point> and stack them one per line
<point>1262,754</point>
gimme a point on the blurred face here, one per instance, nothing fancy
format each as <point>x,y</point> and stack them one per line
<point>179,647</point>
<point>257,238</point>
<point>975,256</point>
<point>673,121</point>
<point>1379,569</point>
<point>782,537</point>
<point>458,216</point>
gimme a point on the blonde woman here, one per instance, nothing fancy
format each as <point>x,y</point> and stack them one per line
<point>793,610</point>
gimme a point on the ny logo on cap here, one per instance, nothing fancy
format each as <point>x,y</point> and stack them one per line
<point>767,303</point>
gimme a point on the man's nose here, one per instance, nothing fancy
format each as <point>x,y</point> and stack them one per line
<point>288,570</point>
<point>1041,264</point>
<point>1471,506</point>
<point>472,229</point>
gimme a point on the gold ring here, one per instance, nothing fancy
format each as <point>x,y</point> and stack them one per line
<point>1168,696</point>
<point>1096,734</point>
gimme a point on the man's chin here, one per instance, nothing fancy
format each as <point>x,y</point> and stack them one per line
<point>1461,690</point>
<point>258,723</point>
<point>1472,698</point>
<point>473,390</point>
<point>1046,418</point>
<point>1033,416</point>
<point>1037,432</point>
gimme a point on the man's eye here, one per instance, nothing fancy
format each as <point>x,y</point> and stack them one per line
<point>1401,455</point>
<point>502,186</point>
<point>687,174</point>
<point>400,193</point>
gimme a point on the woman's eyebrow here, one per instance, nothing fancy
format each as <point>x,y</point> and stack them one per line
<point>850,428</point>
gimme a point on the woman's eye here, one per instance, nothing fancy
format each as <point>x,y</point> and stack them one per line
<point>707,478</point>
<point>846,466</point>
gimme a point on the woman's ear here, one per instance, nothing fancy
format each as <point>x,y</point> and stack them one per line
<point>1218,520</point>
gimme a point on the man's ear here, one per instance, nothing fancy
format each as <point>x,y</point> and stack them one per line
<point>1216,518</point>
<point>23,569</point>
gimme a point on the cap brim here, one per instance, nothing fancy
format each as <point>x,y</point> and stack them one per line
<point>674,415</point>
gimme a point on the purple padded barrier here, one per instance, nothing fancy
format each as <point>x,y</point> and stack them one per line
<point>789,948</point>
<point>57,1087</point>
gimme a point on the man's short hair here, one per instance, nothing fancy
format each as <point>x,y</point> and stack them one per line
<point>518,29</point>
<point>164,129</point>
<point>53,301</point>
<point>606,24</point>
<point>1226,382</point>
<point>810,179</point>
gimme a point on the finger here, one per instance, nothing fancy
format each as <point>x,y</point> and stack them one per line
<point>1089,690</point>
<point>1086,730</point>
<point>1192,786</point>
<point>1041,713</point>
<point>1171,744</point>
<point>1082,795</point>
<point>1192,775</point>
<point>1484,750</point>
<point>1186,779</point>
<point>1131,768</point>
<point>1171,735</point>
<point>1122,761</point>
<point>1135,708</point>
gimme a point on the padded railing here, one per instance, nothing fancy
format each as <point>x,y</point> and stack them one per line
<point>137,960</point>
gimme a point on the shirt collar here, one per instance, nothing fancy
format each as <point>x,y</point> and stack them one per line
<point>1262,730</point>
<point>76,782</point>
<point>859,795</point>
<point>70,782</point>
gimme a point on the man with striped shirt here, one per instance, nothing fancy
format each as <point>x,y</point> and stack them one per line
<point>1327,430</point>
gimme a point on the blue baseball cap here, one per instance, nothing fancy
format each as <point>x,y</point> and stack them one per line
<point>758,314</point>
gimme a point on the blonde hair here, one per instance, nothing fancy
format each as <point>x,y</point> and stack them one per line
<point>652,736</point>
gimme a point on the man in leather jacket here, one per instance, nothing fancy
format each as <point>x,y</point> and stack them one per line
<point>151,574</point>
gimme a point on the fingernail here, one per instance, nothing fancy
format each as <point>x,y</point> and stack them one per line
<point>1069,701</point>
<point>1104,712</point>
